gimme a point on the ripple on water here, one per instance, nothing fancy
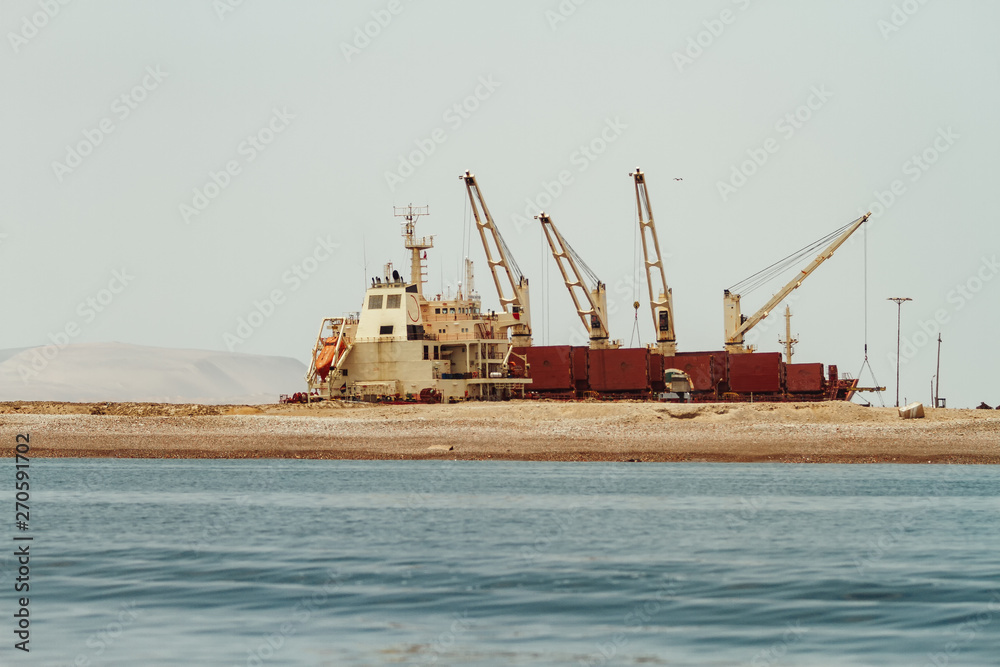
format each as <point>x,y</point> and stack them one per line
<point>356,563</point>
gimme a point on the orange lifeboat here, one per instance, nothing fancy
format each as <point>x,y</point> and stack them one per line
<point>330,351</point>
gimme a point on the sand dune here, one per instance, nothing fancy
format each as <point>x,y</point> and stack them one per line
<point>122,372</point>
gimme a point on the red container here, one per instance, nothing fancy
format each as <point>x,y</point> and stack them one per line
<point>656,368</point>
<point>617,371</point>
<point>578,361</point>
<point>801,378</point>
<point>699,368</point>
<point>719,368</point>
<point>549,368</point>
<point>755,372</point>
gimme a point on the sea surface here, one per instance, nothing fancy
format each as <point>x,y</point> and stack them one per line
<point>150,562</point>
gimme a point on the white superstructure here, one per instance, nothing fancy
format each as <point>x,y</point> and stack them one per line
<point>404,346</point>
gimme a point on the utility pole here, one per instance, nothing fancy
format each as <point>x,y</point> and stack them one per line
<point>899,314</point>
<point>937,375</point>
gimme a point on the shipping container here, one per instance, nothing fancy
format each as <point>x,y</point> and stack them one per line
<point>800,378</point>
<point>699,368</point>
<point>719,366</point>
<point>656,369</point>
<point>578,360</point>
<point>756,372</point>
<point>619,371</point>
<point>549,368</point>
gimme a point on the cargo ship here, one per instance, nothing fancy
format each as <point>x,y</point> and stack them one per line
<point>406,346</point>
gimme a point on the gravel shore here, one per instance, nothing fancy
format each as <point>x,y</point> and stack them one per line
<point>518,430</point>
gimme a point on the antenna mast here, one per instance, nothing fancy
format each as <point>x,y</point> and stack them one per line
<point>789,341</point>
<point>416,246</point>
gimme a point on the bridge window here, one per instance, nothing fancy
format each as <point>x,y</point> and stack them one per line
<point>375,302</point>
<point>392,301</point>
<point>385,330</point>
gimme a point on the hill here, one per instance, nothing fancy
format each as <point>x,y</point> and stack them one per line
<point>91,372</point>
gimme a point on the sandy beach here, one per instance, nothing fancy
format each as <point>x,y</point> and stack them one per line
<point>517,430</point>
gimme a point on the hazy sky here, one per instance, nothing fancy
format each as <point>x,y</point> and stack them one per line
<point>184,164</point>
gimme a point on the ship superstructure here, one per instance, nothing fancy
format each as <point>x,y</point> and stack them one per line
<point>402,345</point>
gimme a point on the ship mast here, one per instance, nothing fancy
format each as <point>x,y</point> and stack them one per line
<point>416,246</point>
<point>789,341</point>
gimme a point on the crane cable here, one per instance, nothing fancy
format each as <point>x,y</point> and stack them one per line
<point>866,363</point>
<point>635,329</point>
<point>765,275</point>
<point>592,281</point>
<point>635,283</point>
<point>545,285</point>
<point>466,227</point>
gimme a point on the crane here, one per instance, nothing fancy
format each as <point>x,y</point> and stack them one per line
<point>516,310</point>
<point>737,324</point>
<point>662,306</point>
<point>594,316</point>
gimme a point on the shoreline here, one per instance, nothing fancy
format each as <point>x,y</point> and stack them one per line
<point>510,431</point>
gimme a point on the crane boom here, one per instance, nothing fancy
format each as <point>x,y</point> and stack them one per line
<point>516,311</point>
<point>737,325</point>
<point>662,306</point>
<point>594,315</point>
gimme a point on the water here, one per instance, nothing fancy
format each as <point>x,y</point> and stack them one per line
<point>140,562</point>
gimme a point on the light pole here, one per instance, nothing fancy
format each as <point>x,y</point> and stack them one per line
<point>937,375</point>
<point>899,313</point>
